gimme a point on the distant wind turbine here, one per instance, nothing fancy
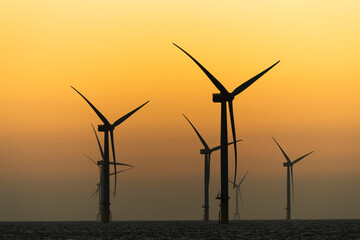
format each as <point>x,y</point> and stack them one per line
<point>108,128</point>
<point>289,165</point>
<point>225,97</point>
<point>238,192</point>
<point>100,166</point>
<point>207,152</point>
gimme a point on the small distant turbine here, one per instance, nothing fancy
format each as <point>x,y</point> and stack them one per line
<point>289,165</point>
<point>238,192</point>
<point>225,97</point>
<point>207,152</point>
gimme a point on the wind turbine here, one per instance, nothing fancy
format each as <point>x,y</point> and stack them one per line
<point>289,165</point>
<point>226,97</point>
<point>100,166</point>
<point>207,153</point>
<point>238,192</point>
<point>98,190</point>
<point>108,128</point>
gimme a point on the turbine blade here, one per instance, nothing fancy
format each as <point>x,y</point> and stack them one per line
<point>231,111</point>
<point>95,193</point>
<point>217,84</point>
<point>243,178</point>
<point>242,204</point>
<point>219,147</point>
<point>120,171</point>
<point>297,160</point>
<point>90,158</point>
<point>231,182</point>
<point>197,133</point>
<point>123,118</point>
<point>246,84</point>
<point>101,150</point>
<point>113,151</point>
<point>287,158</point>
<point>122,164</point>
<point>105,121</point>
<point>292,182</point>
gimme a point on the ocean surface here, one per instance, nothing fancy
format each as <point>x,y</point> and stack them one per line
<point>244,229</point>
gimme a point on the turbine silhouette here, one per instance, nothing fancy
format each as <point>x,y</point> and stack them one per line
<point>238,192</point>
<point>225,97</point>
<point>108,128</point>
<point>289,165</point>
<point>207,152</point>
<point>100,166</point>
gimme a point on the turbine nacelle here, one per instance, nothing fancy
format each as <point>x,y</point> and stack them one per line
<point>287,164</point>
<point>105,128</point>
<point>221,97</point>
<point>205,151</point>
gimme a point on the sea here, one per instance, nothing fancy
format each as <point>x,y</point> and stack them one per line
<point>241,229</point>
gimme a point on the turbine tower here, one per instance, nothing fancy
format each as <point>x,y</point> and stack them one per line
<point>107,128</point>
<point>238,192</point>
<point>289,165</point>
<point>100,166</point>
<point>225,97</point>
<point>207,153</point>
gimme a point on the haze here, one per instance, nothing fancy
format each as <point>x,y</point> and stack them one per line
<point>120,54</point>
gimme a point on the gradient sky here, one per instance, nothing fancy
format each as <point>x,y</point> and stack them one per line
<point>119,54</point>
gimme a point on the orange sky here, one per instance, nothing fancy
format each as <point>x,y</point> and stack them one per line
<point>119,54</point>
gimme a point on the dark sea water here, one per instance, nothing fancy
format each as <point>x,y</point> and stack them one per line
<point>252,229</point>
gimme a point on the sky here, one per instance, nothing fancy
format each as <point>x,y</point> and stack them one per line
<point>119,54</point>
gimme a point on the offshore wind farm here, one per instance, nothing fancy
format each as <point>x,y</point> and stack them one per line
<point>59,178</point>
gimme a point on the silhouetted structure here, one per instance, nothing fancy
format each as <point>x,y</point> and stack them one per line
<point>238,192</point>
<point>107,128</point>
<point>100,164</point>
<point>289,165</point>
<point>218,197</point>
<point>225,97</point>
<point>207,152</point>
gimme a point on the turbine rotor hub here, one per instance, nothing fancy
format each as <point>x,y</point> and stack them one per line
<point>287,164</point>
<point>204,151</point>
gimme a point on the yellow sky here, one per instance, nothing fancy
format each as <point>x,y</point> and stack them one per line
<point>119,54</point>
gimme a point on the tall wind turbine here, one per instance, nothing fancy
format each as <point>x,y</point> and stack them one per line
<point>108,128</point>
<point>207,153</point>
<point>100,166</point>
<point>226,97</point>
<point>238,192</point>
<point>289,165</point>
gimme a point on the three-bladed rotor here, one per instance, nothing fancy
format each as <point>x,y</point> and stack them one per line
<point>206,149</point>
<point>100,165</point>
<point>107,127</point>
<point>237,186</point>
<point>225,96</point>
<point>290,164</point>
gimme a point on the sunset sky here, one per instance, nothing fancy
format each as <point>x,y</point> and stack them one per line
<point>119,54</point>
